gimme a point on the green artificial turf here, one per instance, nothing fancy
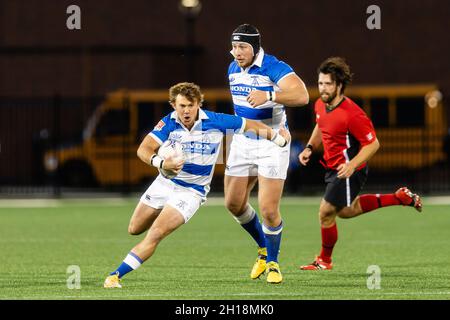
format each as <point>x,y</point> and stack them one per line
<point>211,256</point>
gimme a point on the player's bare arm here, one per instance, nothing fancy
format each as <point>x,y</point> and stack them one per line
<point>314,142</point>
<point>345,170</point>
<point>149,146</point>
<point>293,93</point>
<point>265,131</point>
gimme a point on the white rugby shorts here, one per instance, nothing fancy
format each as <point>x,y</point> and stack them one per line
<point>163,191</point>
<point>251,157</point>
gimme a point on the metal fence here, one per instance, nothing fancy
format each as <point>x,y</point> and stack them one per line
<point>37,134</point>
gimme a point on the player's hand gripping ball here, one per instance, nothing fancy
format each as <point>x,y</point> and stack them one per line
<point>171,151</point>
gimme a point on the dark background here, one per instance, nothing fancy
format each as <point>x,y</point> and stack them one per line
<point>411,47</point>
<point>141,44</point>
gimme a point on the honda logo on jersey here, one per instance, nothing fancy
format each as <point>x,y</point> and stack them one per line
<point>200,147</point>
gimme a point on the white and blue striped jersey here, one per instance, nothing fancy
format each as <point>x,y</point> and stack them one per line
<point>201,145</point>
<point>264,74</point>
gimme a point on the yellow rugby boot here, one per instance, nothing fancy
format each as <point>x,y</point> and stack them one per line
<point>273,272</point>
<point>260,265</point>
<point>112,281</point>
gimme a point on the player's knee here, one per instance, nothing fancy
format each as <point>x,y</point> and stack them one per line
<point>270,215</point>
<point>347,213</point>
<point>327,221</point>
<point>327,217</point>
<point>351,211</point>
<point>356,206</point>
<point>235,207</point>
<point>133,230</point>
<point>343,215</point>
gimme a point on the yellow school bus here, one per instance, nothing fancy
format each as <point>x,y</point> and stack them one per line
<point>107,154</point>
<point>410,122</point>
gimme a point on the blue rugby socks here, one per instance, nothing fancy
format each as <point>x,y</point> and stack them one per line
<point>130,263</point>
<point>250,222</point>
<point>273,241</point>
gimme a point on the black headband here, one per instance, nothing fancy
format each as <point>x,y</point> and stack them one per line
<point>252,39</point>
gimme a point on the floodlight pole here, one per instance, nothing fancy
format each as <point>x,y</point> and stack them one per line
<point>190,47</point>
<point>190,9</point>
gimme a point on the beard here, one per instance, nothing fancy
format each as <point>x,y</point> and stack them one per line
<point>328,97</point>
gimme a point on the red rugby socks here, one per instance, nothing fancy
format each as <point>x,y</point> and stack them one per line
<point>371,202</point>
<point>329,239</point>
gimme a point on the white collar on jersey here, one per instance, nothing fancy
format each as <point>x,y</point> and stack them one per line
<point>201,115</point>
<point>259,58</point>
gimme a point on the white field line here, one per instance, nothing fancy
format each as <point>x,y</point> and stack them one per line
<point>212,201</point>
<point>373,293</point>
<point>57,203</point>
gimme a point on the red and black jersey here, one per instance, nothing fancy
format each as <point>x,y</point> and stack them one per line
<point>345,130</point>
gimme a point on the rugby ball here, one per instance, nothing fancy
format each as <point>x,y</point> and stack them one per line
<point>167,149</point>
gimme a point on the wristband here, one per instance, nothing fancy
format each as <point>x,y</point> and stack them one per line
<point>270,95</point>
<point>309,146</point>
<point>279,140</point>
<point>156,161</point>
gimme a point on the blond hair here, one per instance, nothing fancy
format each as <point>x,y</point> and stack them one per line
<point>189,90</point>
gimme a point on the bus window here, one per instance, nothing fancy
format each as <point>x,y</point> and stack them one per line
<point>301,118</point>
<point>167,108</point>
<point>208,105</point>
<point>113,122</point>
<point>379,114</point>
<point>410,112</point>
<point>224,107</point>
<point>145,118</point>
<point>359,101</point>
